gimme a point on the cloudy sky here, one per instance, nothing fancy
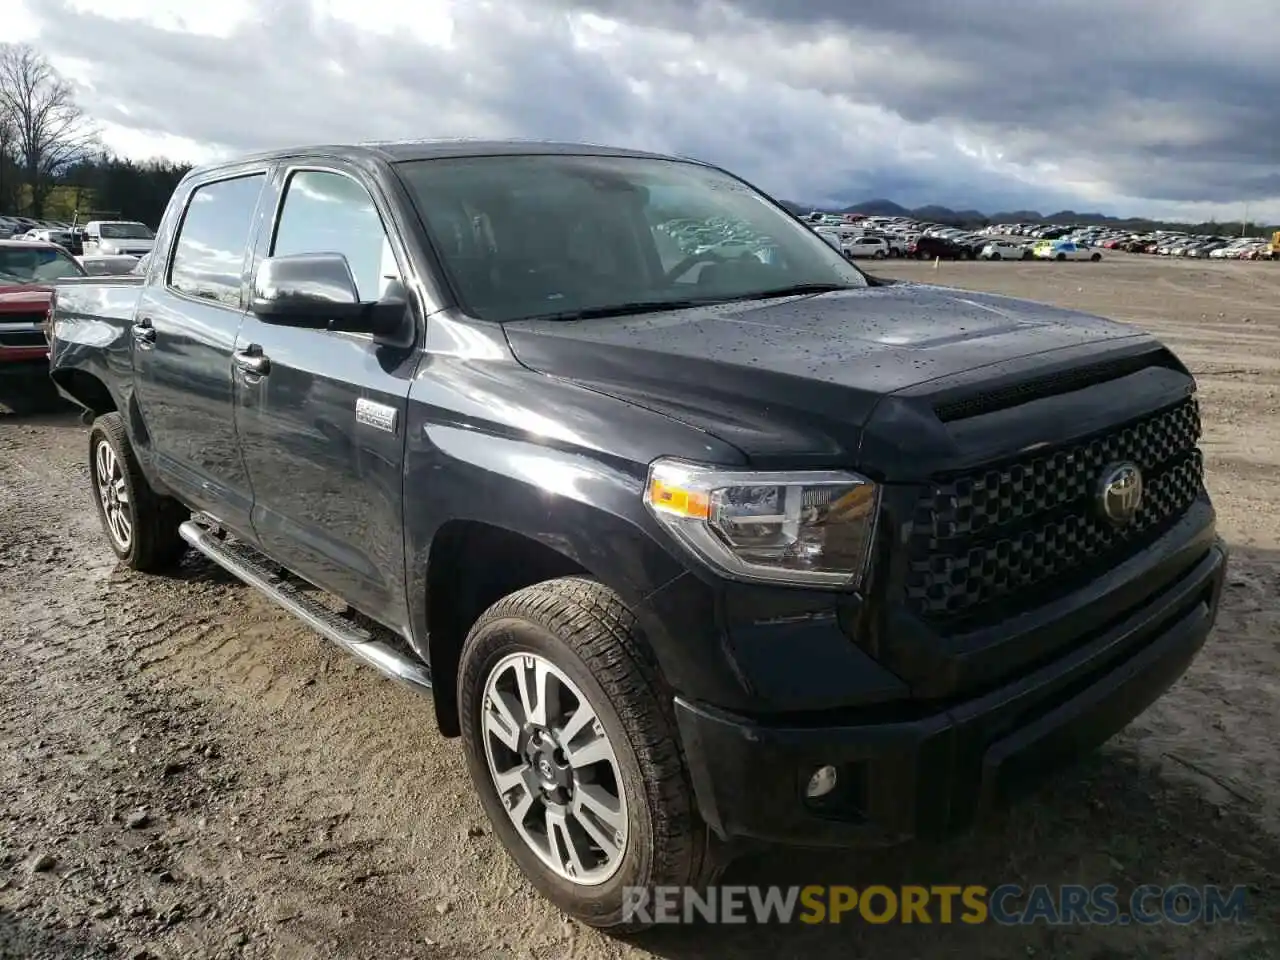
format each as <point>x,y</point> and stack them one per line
<point>1157,107</point>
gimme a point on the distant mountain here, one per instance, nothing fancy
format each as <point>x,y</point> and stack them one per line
<point>934,213</point>
<point>879,208</point>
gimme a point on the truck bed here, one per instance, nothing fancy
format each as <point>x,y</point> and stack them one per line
<point>90,336</point>
<point>97,298</point>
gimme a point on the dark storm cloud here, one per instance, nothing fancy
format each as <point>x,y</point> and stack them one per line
<point>1047,104</point>
<point>1175,100</point>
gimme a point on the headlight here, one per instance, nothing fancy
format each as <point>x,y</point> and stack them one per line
<point>807,528</point>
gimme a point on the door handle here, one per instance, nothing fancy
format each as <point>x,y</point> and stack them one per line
<point>143,332</point>
<point>252,360</point>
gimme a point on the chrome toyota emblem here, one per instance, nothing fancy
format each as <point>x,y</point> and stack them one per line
<point>1120,492</point>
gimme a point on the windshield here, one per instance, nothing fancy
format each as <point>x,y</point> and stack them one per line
<point>557,235</point>
<point>125,231</point>
<point>36,265</point>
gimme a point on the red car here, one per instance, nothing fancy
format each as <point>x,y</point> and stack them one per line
<point>27,270</point>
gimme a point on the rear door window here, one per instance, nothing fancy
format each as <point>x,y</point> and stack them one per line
<point>209,255</point>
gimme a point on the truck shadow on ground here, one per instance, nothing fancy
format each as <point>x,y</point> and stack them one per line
<point>1128,815</point>
<point>35,402</point>
<point>57,415</point>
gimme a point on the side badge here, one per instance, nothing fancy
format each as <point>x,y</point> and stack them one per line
<point>376,415</point>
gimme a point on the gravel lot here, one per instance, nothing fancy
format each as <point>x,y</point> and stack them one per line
<point>187,772</point>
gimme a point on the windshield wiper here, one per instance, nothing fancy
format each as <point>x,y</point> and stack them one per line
<point>627,309</point>
<point>795,290</point>
<point>632,307</point>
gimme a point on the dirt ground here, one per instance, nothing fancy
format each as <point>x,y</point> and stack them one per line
<point>187,772</point>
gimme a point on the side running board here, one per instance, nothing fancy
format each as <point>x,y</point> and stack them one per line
<point>245,562</point>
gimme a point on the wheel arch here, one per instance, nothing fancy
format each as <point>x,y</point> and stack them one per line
<point>463,580</point>
<point>524,535</point>
<point>95,397</point>
<point>86,390</point>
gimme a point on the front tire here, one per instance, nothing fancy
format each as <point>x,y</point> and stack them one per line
<point>571,742</point>
<point>995,256</point>
<point>1096,257</point>
<point>1060,257</point>
<point>141,525</point>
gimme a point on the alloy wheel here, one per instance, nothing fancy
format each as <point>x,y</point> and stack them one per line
<point>554,768</point>
<point>113,492</point>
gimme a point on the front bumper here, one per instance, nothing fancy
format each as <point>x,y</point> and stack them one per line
<point>931,776</point>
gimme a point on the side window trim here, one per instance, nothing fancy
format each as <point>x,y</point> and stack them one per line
<point>171,249</point>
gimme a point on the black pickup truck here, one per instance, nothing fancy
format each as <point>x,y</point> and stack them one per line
<point>698,544</point>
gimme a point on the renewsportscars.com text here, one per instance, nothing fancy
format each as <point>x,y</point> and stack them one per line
<point>1006,904</point>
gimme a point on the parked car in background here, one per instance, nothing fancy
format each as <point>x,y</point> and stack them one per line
<point>1005,250</point>
<point>897,241</point>
<point>64,238</point>
<point>863,245</point>
<point>28,268</point>
<point>1234,249</point>
<point>1065,250</point>
<point>971,245</point>
<point>926,247</point>
<point>1203,251</point>
<point>118,237</point>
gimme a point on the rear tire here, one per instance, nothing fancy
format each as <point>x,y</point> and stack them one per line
<point>141,525</point>
<point>577,636</point>
<point>996,256</point>
<point>1096,257</point>
<point>1060,257</point>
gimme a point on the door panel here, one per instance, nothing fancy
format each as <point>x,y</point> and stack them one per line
<point>328,484</point>
<point>184,333</point>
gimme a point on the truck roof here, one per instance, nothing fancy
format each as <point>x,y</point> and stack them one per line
<point>31,244</point>
<point>397,151</point>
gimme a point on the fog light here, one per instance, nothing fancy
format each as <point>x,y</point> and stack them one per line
<point>821,783</point>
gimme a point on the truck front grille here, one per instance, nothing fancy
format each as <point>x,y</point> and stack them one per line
<point>22,338</point>
<point>10,337</point>
<point>994,541</point>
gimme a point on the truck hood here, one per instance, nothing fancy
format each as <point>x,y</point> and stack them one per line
<point>798,378</point>
<point>23,298</point>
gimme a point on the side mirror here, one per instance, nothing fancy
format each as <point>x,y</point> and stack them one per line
<point>305,290</point>
<point>317,290</point>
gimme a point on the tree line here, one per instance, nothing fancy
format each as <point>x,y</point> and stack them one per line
<point>53,164</point>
